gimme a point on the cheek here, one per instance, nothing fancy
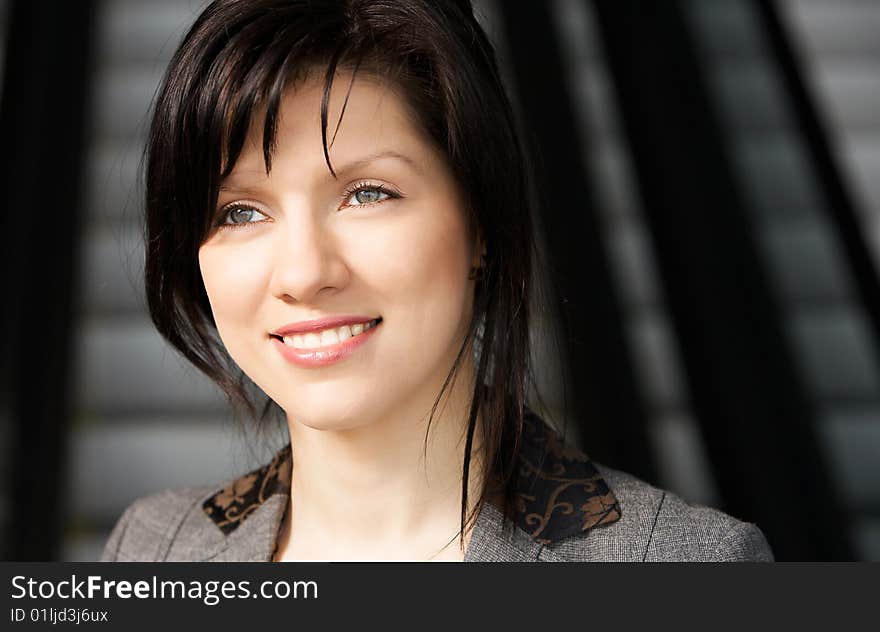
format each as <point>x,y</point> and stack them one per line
<point>232,284</point>
<point>421,263</point>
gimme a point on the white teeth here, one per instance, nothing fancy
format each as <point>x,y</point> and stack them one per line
<point>328,337</point>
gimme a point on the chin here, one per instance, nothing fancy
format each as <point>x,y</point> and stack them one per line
<point>328,425</point>
<point>335,417</point>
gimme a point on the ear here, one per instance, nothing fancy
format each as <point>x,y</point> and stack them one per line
<point>479,253</point>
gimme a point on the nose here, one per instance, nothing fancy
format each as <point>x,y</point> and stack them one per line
<point>306,258</point>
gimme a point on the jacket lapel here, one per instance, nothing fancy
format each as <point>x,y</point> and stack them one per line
<point>560,493</point>
<point>497,540</point>
<point>254,540</point>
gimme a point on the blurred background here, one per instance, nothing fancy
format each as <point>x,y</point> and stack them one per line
<point>710,179</point>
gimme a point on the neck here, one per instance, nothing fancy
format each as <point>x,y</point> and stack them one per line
<point>379,491</point>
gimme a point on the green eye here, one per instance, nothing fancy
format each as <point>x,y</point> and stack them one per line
<point>364,193</point>
<point>368,195</point>
<point>235,215</point>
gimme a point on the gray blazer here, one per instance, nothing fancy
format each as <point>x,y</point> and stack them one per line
<point>569,509</point>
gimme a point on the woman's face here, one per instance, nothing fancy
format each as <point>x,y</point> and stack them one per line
<point>386,239</point>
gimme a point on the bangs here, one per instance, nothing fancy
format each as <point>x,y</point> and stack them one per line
<point>247,81</point>
<point>238,60</point>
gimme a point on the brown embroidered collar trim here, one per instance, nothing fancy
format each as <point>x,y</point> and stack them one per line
<point>231,505</point>
<point>560,492</point>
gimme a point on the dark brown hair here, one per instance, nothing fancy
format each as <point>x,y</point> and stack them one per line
<point>234,64</point>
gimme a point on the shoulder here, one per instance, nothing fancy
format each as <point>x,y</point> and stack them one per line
<point>150,524</point>
<point>656,525</point>
<point>193,523</point>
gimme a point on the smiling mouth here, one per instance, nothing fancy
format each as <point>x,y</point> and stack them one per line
<point>327,337</point>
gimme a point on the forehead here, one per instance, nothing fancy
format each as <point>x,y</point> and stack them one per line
<point>370,120</point>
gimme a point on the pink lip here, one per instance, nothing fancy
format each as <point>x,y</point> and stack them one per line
<point>322,356</point>
<point>330,322</point>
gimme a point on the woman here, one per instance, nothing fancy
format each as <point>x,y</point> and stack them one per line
<point>339,214</point>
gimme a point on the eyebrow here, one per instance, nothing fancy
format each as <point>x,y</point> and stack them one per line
<point>229,182</point>
<point>387,153</point>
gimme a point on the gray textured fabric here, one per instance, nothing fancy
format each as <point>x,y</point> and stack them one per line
<point>655,526</point>
<point>658,526</point>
